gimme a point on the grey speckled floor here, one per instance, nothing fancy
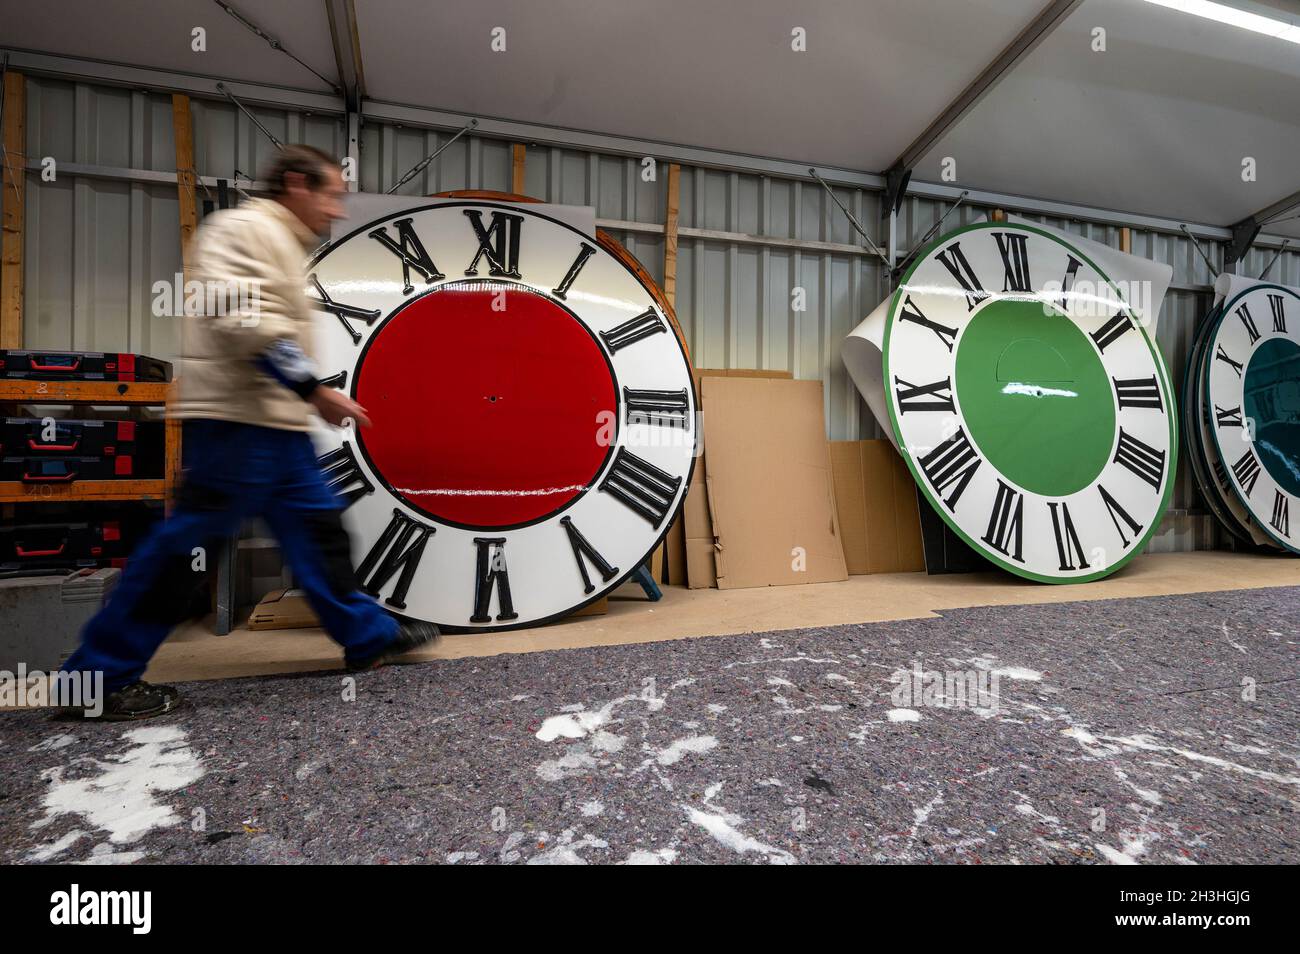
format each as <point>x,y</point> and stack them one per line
<point>1120,733</point>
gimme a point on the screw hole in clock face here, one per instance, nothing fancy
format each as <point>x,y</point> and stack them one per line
<point>529,450</point>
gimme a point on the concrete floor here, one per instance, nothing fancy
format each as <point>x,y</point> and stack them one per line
<point>1121,731</point>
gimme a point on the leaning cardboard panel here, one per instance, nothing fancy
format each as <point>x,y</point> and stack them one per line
<point>875,498</point>
<point>697,526</point>
<point>769,483</point>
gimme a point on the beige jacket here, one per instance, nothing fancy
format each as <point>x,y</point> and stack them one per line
<point>251,264</point>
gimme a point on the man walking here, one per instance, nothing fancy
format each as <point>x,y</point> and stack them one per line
<point>248,391</point>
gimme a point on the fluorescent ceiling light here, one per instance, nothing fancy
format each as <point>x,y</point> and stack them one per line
<point>1221,12</point>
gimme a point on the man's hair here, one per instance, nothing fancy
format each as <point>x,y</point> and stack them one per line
<point>312,163</point>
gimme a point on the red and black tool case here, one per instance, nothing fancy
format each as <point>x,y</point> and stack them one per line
<point>82,366</point>
<point>37,450</point>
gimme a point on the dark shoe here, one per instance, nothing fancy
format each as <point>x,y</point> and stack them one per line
<point>410,635</point>
<point>137,701</point>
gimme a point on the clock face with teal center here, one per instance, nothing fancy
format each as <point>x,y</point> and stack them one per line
<point>1030,404</point>
<point>1252,375</point>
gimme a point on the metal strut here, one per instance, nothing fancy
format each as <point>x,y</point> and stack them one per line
<point>221,88</point>
<point>274,44</point>
<point>1276,256</point>
<point>930,233</point>
<point>849,215</point>
<point>1208,263</point>
<point>423,163</point>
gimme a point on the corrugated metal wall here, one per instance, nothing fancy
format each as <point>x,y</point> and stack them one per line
<point>752,248</point>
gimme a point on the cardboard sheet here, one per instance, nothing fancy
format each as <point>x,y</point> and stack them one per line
<point>875,499</point>
<point>771,495</point>
<point>697,539</point>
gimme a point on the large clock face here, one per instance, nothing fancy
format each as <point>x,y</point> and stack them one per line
<point>534,416</point>
<point>1252,375</point>
<point>1030,404</point>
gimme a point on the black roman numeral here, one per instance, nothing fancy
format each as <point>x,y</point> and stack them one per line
<point>344,474</point>
<point>411,251</point>
<point>561,290</point>
<point>399,547</point>
<point>582,547</point>
<point>1230,417</point>
<point>1276,305</point>
<point>911,397</point>
<point>341,311</point>
<point>1108,333</point>
<point>952,463</point>
<point>1067,283</point>
<point>499,242</point>
<point>641,486</point>
<point>954,259</point>
<point>1281,521</point>
<point>1116,514</point>
<point>1246,470</point>
<point>490,572</point>
<point>1142,459</point>
<point>665,408</point>
<point>912,313</point>
<point>1138,392</point>
<point>1014,249</point>
<point>633,330</point>
<point>1243,312</point>
<point>1067,540</point>
<point>1221,355</point>
<point>1004,523</point>
<point>1220,472</point>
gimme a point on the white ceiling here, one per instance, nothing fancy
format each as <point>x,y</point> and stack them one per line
<point>1157,124</point>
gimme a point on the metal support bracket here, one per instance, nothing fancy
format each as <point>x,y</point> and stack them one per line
<point>1243,236</point>
<point>896,180</point>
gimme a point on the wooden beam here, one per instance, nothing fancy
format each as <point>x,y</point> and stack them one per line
<point>183,133</point>
<point>670,233</point>
<point>14,184</point>
<point>517,154</point>
<point>1126,240</point>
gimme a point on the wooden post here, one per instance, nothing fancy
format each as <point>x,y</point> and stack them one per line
<point>1126,240</point>
<point>183,133</point>
<point>670,233</point>
<point>14,184</point>
<point>517,154</point>
<point>674,548</point>
<point>998,215</point>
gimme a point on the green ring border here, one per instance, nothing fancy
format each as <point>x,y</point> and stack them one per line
<point>1138,544</point>
<point>1265,527</point>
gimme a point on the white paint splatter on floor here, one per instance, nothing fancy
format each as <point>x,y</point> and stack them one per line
<point>122,797</point>
<point>680,747</point>
<point>903,715</point>
<point>724,826</point>
<point>664,856</point>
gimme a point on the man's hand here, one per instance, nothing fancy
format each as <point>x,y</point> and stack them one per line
<point>335,407</point>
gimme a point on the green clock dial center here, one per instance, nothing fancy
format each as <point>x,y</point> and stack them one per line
<point>1035,397</point>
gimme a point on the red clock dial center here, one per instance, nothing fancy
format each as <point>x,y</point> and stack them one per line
<point>492,406</point>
